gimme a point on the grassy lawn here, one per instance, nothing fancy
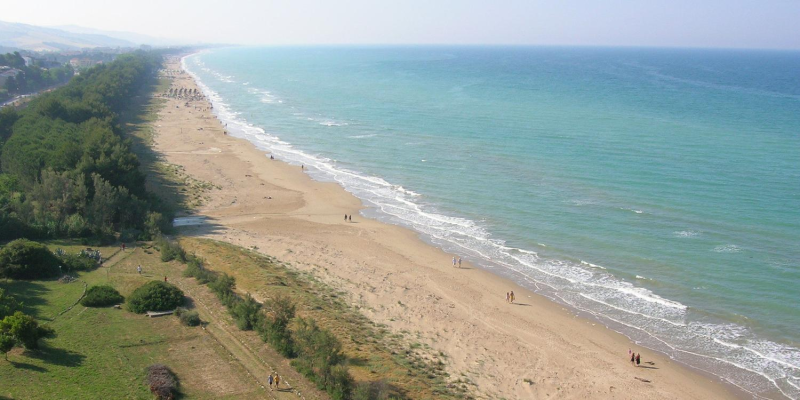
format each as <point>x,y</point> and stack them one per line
<point>101,353</point>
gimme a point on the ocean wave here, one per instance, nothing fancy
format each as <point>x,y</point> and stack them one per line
<point>647,318</point>
<point>727,248</point>
<point>686,234</point>
<point>333,123</point>
<point>363,136</point>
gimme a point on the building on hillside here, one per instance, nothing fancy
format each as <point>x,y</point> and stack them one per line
<point>82,63</point>
<point>6,73</point>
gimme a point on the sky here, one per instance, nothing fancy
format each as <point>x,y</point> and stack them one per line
<point>657,23</point>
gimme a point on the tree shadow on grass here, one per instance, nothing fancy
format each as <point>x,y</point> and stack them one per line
<point>29,367</point>
<point>56,356</point>
<point>29,293</point>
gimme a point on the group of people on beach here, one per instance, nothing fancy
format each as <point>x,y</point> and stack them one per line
<point>457,262</point>
<point>636,358</point>
<point>510,297</point>
<point>348,218</point>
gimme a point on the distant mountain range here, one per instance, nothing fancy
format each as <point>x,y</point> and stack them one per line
<point>16,36</point>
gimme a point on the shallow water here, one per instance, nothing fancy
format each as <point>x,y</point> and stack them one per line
<point>658,190</point>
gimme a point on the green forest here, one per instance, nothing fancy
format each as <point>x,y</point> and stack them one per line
<point>65,169</point>
<point>31,78</point>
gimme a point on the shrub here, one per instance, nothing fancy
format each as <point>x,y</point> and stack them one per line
<point>155,296</point>
<point>188,318</point>
<point>24,329</point>
<point>24,259</point>
<point>223,288</point>
<point>101,296</point>
<point>162,381</point>
<point>170,250</point>
<point>246,312</point>
<point>274,327</point>
<point>319,357</point>
<point>74,262</point>
<point>196,270</point>
<point>8,305</point>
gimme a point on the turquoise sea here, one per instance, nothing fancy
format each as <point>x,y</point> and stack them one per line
<point>656,190</point>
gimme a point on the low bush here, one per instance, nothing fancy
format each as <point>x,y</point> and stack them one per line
<point>320,358</point>
<point>155,296</point>
<point>223,286</point>
<point>74,262</point>
<point>162,381</point>
<point>188,318</point>
<point>101,296</point>
<point>195,268</point>
<point>247,313</point>
<point>170,250</point>
<point>24,259</point>
<point>274,327</point>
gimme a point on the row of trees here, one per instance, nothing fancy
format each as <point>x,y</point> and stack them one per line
<point>31,77</point>
<point>65,168</point>
<point>316,352</point>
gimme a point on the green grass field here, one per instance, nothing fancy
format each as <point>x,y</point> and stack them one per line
<point>101,353</point>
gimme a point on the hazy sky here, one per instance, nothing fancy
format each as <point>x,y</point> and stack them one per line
<point>684,23</point>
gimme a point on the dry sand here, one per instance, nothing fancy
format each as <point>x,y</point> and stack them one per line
<point>535,349</point>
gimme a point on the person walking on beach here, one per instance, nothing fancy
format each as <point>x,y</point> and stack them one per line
<point>454,261</point>
<point>511,297</point>
<point>459,262</point>
<point>139,269</point>
<point>270,381</point>
<point>638,359</point>
<point>508,297</point>
<point>277,382</point>
<point>633,358</point>
<point>345,217</point>
<point>350,218</point>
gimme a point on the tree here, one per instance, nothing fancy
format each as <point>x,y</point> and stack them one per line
<point>24,259</point>
<point>7,343</point>
<point>275,327</point>
<point>25,330</point>
<point>7,305</point>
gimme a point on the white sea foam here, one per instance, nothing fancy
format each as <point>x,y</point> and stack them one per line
<point>728,248</point>
<point>756,365</point>
<point>363,136</point>
<point>686,234</point>
<point>333,123</point>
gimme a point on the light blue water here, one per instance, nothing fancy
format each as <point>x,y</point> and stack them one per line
<point>658,190</point>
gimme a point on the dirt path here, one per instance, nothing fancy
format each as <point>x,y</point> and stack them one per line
<point>246,348</point>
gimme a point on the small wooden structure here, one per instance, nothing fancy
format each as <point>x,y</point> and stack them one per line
<point>152,314</point>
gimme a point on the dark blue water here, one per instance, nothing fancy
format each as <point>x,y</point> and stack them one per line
<point>658,190</point>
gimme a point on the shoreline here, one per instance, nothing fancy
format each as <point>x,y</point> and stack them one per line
<point>371,259</point>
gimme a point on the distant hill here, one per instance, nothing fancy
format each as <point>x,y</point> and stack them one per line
<point>128,36</point>
<point>37,38</point>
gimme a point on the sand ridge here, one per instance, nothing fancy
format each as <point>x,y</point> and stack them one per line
<point>534,349</point>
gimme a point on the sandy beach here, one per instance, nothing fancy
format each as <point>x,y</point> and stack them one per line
<point>532,349</point>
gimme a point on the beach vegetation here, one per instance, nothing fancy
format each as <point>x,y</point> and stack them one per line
<point>188,317</point>
<point>280,311</point>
